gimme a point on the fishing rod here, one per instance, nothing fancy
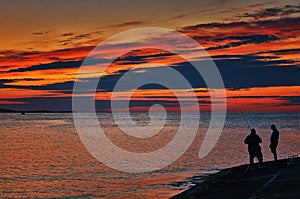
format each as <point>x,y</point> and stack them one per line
<point>248,123</point>
<point>242,152</point>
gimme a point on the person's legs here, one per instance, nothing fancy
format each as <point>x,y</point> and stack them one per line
<point>260,157</point>
<point>273,150</point>
<point>251,158</point>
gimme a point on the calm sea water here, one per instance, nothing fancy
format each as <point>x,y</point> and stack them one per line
<point>42,156</point>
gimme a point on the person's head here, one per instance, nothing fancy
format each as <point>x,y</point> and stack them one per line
<point>253,131</point>
<point>273,127</point>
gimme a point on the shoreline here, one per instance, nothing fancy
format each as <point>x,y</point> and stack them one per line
<point>279,179</point>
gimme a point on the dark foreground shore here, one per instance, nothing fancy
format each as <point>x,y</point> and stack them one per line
<point>273,180</point>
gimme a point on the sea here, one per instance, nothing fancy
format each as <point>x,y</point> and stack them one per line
<point>42,155</point>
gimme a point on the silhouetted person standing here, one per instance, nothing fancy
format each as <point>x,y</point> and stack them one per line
<point>254,148</point>
<point>274,141</point>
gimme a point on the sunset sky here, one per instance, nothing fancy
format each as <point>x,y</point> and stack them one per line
<point>255,45</point>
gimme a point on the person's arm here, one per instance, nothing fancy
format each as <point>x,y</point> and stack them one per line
<point>271,140</point>
<point>274,138</point>
<point>246,140</point>
<point>277,135</point>
<point>259,139</point>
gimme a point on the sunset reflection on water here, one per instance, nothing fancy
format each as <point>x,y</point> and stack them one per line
<point>42,156</point>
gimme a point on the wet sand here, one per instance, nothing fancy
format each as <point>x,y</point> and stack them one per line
<point>273,180</point>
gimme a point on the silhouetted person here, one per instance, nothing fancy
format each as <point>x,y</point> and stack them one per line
<point>274,141</point>
<point>254,148</point>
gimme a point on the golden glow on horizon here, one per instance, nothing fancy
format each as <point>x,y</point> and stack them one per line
<point>15,93</point>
